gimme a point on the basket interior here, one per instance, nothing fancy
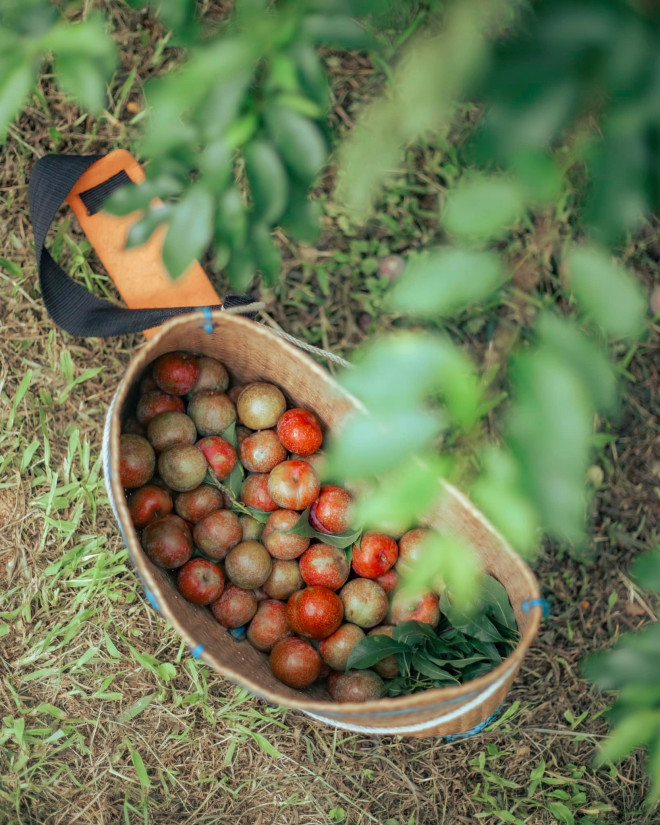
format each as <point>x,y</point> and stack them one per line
<point>252,353</point>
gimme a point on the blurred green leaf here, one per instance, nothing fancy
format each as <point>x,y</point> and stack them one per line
<point>499,492</point>
<point>358,451</point>
<point>550,428</point>
<point>81,78</point>
<point>241,130</point>
<point>15,84</point>
<point>312,74</point>
<point>180,16</point>
<point>189,231</point>
<point>85,57</point>
<point>538,175</point>
<point>450,558</point>
<point>635,658</point>
<point>481,208</point>
<point>283,75</point>
<point>403,495</point>
<point>222,107</point>
<point>231,222</point>
<point>268,180</point>
<point>607,293</point>
<point>445,281</point>
<point>298,140</point>
<point>241,268</point>
<point>646,570</point>
<point>621,190</point>
<point>653,770</point>
<point>302,216</point>
<point>136,196</point>
<point>302,105</point>
<point>635,730</point>
<point>88,39</point>
<point>267,254</point>
<point>416,359</point>
<point>216,164</point>
<point>337,31</point>
<point>588,361</point>
<point>458,386</point>
<point>424,365</point>
<point>435,70</point>
<point>143,229</point>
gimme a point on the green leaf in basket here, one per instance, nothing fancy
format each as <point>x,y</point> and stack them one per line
<point>475,670</point>
<point>488,649</point>
<point>462,664</point>
<point>259,515</point>
<point>413,632</point>
<point>235,480</point>
<point>238,506</point>
<point>497,604</point>
<point>340,540</point>
<point>473,622</point>
<point>371,650</point>
<point>230,435</point>
<point>397,687</point>
<point>422,664</point>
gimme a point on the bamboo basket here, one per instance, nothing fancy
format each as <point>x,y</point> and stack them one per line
<point>252,352</point>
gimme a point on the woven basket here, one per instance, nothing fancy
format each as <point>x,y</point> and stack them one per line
<point>252,352</point>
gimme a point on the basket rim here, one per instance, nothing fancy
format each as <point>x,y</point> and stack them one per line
<point>427,699</point>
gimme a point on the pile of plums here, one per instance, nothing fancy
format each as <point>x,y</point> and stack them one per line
<point>299,599</point>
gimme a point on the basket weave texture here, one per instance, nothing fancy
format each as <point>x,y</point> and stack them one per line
<point>252,352</point>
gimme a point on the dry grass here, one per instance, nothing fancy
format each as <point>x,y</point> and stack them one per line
<point>106,717</point>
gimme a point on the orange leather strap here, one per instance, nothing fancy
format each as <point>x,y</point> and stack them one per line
<point>138,273</point>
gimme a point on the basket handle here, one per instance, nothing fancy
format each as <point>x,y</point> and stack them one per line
<point>151,296</point>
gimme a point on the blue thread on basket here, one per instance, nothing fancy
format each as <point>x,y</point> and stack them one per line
<point>455,737</point>
<point>238,633</point>
<point>544,604</point>
<point>151,598</point>
<point>197,651</point>
<point>208,326</point>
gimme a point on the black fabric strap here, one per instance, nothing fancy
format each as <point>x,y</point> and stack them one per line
<point>93,198</point>
<point>68,303</point>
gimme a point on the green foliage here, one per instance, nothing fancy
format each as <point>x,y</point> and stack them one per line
<point>445,281</point>
<point>249,94</point>
<point>84,56</point>
<point>483,208</point>
<point>435,70</point>
<point>646,570</point>
<point>399,498</point>
<point>607,292</point>
<point>573,58</point>
<point>447,561</point>
<point>367,446</point>
<point>549,431</point>
<point>459,649</point>
<point>632,667</point>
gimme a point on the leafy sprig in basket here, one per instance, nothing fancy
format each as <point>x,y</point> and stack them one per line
<point>466,644</point>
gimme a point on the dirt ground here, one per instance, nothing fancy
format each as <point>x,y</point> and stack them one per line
<point>98,728</point>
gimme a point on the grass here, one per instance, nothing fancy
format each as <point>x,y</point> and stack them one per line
<point>105,718</point>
